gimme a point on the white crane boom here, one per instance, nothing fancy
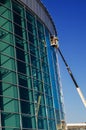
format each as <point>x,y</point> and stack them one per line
<point>81,96</point>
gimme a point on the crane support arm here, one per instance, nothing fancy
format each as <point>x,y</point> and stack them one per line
<point>54,43</point>
<point>69,70</point>
<point>73,79</point>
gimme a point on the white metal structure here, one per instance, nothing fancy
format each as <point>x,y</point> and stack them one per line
<point>76,126</point>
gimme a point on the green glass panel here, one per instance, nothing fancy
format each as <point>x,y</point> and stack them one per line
<point>28,122</point>
<point>5,24</point>
<point>34,50</point>
<point>11,120</point>
<point>6,37</point>
<point>32,39</point>
<point>49,101</point>
<point>3,9</point>
<point>31,28</point>
<point>42,124</point>
<point>7,49</point>
<point>6,62</point>
<point>10,105</point>
<point>10,128</point>
<point>40,26</point>
<point>47,89</point>
<point>42,111</point>
<point>8,76</point>
<point>44,67</point>
<point>26,94</point>
<point>29,81</point>
<point>52,125</point>
<point>38,86</point>
<point>5,3</point>
<point>5,13</point>
<point>9,90</point>
<point>30,18</point>
<point>27,107</point>
<point>50,112</point>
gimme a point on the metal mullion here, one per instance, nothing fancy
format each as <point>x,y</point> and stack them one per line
<point>0,120</point>
<point>16,69</point>
<point>43,80</point>
<point>30,61</point>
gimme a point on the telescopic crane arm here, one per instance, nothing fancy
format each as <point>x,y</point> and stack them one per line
<point>54,43</point>
<point>73,79</point>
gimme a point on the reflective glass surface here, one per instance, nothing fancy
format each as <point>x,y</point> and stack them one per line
<point>26,96</point>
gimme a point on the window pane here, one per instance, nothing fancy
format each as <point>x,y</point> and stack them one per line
<point>42,124</point>
<point>10,120</point>
<point>9,90</point>
<point>10,104</point>
<point>28,122</point>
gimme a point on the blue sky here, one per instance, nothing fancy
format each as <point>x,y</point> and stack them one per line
<point>70,20</point>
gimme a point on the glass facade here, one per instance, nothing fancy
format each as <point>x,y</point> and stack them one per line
<point>28,92</point>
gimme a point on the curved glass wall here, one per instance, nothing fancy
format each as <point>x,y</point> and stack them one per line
<point>27,101</point>
<point>55,81</point>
